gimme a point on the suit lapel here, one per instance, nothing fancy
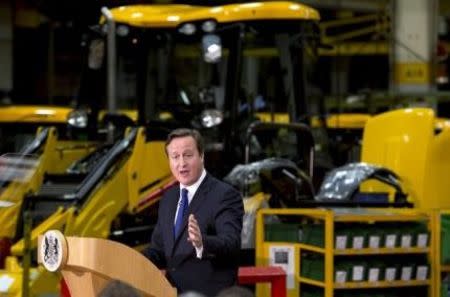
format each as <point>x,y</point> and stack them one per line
<point>200,195</point>
<point>197,200</point>
<point>172,210</point>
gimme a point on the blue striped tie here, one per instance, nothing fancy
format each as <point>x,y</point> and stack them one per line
<point>182,210</point>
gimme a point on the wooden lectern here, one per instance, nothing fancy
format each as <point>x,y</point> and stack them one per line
<point>89,264</point>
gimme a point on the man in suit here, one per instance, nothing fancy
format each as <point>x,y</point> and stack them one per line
<point>197,238</point>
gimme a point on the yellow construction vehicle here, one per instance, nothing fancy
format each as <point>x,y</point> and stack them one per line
<point>46,150</point>
<point>123,179</point>
<point>18,126</point>
<point>186,61</point>
<point>414,147</point>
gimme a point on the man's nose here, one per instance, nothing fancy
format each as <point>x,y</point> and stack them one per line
<point>183,160</point>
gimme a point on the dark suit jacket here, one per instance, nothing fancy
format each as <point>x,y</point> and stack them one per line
<point>218,208</point>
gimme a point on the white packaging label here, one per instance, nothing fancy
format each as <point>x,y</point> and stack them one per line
<point>390,240</point>
<point>341,276</point>
<point>406,273</point>
<point>406,241</point>
<point>422,272</point>
<point>341,242</point>
<point>374,274</point>
<point>358,242</point>
<point>422,240</point>
<point>374,241</point>
<point>284,257</point>
<point>390,273</point>
<point>358,273</point>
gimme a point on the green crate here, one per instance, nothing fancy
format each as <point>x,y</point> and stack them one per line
<point>445,239</point>
<point>421,235</point>
<point>358,271</point>
<point>407,235</point>
<point>371,274</point>
<point>444,289</point>
<point>413,235</point>
<point>358,237</point>
<point>407,270</point>
<point>391,272</point>
<point>391,238</point>
<point>342,236</point>
<point>312,267</point>
<point>342,271</point>
<point>282,232</point>
<point>421,272</point>
<point>375,237</point>
<point>313,234</point>
<point>311,293</point>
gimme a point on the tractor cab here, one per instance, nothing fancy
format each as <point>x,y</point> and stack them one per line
<point>216,69</point>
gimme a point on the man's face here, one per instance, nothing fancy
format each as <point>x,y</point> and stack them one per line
<point>186,163</point>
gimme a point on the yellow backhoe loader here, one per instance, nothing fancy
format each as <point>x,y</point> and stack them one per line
<point>197,66</point>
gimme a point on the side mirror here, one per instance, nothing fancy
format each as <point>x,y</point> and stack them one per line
<point>211,48</point>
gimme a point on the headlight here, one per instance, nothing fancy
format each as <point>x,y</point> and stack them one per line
<point>123,30</point>
<point>211,118</point>
<point>78,118</point>
<point>212,48</point>
<point>209,26</point>
<point>187,29</point>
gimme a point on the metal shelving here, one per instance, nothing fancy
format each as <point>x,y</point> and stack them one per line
<point>331,220</point>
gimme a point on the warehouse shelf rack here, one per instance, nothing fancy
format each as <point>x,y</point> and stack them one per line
<point>331,221</point>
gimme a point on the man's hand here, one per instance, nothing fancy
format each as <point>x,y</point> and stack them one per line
<point>195,236</point>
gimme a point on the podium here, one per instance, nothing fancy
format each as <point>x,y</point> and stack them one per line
<point>89,264</point>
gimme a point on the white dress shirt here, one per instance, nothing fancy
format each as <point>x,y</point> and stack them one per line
<point>192,189</point>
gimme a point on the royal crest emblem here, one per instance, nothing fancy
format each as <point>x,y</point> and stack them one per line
<point>52,250</point>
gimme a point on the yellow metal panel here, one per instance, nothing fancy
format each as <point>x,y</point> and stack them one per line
<point>107,200</point>
<point>355,48</point>
<point>34,114</point>
<point>412,73</point>
<point>66,152</point>
<point>405,141</point>
<point>9,217</point>
<point>56,221</point>
<point>343,121</point>
<point>273,117</point>
<point>400,140</point>
<point>41,280</point>
<point>148,170</point>
<point>172,15</point>
<point>436,192</point>
<point>15,191</point>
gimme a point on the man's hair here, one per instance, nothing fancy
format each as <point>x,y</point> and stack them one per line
<point>183,132</point>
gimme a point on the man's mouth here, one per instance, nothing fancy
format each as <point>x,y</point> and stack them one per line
<point>184,172</point>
